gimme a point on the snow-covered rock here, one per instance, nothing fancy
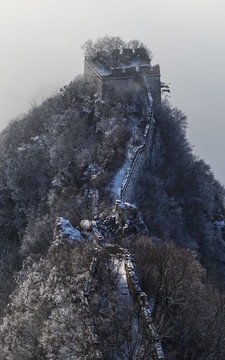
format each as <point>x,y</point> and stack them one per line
<point>219,224</point>
<point>67,231</point>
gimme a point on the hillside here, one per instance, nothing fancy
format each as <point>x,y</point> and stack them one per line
<point>112,240</point>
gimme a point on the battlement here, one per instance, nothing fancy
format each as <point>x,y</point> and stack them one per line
<point>132,71</point>
<point>132,66</point>
<point>155,69</point>
<point>127,71</point>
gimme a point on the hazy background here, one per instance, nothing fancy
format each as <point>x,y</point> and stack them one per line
<point>40,52</point>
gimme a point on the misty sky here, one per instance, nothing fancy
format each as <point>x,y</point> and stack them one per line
<point>40,44</point>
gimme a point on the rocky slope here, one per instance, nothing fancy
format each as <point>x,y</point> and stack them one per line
<point>74,157</point>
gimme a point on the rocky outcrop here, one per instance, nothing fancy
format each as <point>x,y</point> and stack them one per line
<point>64,231</point>
<point>129,218</point>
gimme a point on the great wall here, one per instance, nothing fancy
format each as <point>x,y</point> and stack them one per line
<point>140,155</point>
<point>131,67</point>
<point>128,289</point>
<point>125,212</point>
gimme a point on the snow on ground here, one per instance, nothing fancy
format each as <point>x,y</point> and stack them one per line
<point>125,303</point>
<point>56,182</point>
<point>68,231</point>
<point>118,179</point>
<point>131,149</point>
<point>101,70</point>
<point>123,290</point>
<point>23,147</point>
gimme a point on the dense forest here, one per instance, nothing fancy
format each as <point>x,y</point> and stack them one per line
<point>53,160</point>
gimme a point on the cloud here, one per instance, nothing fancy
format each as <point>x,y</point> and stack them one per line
<point>40,52</point>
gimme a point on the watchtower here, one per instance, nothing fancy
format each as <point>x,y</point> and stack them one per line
<point>130,67</point>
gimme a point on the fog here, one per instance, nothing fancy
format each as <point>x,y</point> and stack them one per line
<point>40,52</point>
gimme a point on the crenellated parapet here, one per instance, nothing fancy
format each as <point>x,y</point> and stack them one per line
<point>130,67</point>
<point>135,71</point>
<point>132,71</point>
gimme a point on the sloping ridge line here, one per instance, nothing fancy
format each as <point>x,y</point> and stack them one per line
<point>134,159</point>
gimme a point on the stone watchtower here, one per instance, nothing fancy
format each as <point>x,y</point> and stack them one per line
<point>123,71</point>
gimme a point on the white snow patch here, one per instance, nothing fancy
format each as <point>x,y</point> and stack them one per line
<point>35,138</point>
<point>23,147</point>
<point>99,101</point>
<point>122,286</point>
<point>102,71</point>
<point>56,182</point>
<point>219,224</point>
<point>118,179</point>
<point>138,63</point>
<point>159,351</point>
<point>86,225</point>
<point>69,231</point>
<point>87,110</point>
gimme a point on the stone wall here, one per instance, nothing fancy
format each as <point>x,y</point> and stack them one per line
<point>141,300</point>
<point>122,79</point>
<point>141,155</point>
<point>125,80</point>
<point>139,160</point>
<point>138,297</point>
<point>116,86</point>
<point>153,79</point>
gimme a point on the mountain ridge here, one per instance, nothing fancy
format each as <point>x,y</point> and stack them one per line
<point>60,160</point>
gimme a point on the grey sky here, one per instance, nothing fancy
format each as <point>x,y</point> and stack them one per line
<point>40,52</point>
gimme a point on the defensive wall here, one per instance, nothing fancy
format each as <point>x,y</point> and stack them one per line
<point>124,79</point>
<point>140,156</point>
<point>127,194</point>
<point>120,79</point>
<point>139,298</point>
